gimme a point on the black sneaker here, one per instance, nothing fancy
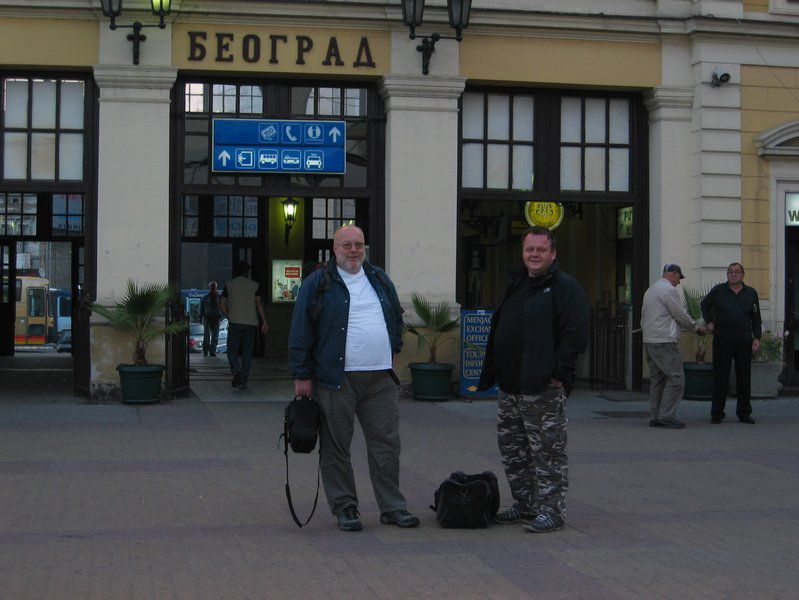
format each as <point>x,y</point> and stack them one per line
<point>747,419</point>
<point>654,423</point>
<point>544,523</point>
<point>715,420</point>
<point>348,519</point>
<point>671,424</point>
<point>514,514</point>
<point>400,518</point>
<point>236,379</point>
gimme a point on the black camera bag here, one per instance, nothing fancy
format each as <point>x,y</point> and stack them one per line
<point>302,421</point>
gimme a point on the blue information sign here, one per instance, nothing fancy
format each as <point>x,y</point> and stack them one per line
<point>265,145</point>
<point>475,325</point>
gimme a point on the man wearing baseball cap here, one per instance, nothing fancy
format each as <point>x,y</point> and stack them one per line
<point>663,315</point>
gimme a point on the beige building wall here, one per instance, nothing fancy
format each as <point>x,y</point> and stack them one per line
<point>769,97</point>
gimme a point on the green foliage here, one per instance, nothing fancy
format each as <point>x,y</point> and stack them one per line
<point>136,313</point>
<point>770,348</point>
<point>693,299</point>
<point>435,322</point>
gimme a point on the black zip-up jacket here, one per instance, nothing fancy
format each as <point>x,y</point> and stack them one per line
<point>555,327</point>
<point>735,317</point>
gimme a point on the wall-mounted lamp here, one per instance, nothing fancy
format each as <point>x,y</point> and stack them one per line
<point>289,214</point>
<point>113,8</point>
<point>412,14</point>
<point>718,77</point>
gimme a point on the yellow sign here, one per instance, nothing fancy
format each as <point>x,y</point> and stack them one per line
<point>544,214</point>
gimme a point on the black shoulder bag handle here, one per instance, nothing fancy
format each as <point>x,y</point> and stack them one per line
<point>301,424</point>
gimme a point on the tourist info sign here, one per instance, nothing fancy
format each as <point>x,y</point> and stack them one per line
<point>271,146</point>
<point>475,326</point>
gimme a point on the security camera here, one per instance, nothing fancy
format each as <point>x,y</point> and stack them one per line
<point>719,76</point>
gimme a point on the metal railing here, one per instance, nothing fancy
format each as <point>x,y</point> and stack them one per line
<point>608,351</point>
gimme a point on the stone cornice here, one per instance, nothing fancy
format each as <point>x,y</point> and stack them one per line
<point>134,77</point>
<point>669,97</point>
<point>421,93</point>
<point>421,86</point>
<point>643,25</point>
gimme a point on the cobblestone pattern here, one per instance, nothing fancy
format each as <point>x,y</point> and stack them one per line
<point>186,500</point>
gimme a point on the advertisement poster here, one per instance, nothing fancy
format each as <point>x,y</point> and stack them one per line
<point>475,325</point>
<point>286,280</point>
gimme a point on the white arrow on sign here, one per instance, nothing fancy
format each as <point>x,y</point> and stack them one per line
<point>335,133</point>
<point>224,157</point>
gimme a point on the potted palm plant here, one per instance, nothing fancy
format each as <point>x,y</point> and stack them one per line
<point>431,380</point>
<point>136,315</point>
<point>699,374</point>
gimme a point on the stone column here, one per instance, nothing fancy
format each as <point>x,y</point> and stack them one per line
<point>670,181</point>
<point>132,196</point>
<point>422,183</point>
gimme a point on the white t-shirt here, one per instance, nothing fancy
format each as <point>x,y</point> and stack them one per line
<point>368,347</point>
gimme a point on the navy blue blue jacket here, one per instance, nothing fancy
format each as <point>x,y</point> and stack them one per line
<point>317,346</point>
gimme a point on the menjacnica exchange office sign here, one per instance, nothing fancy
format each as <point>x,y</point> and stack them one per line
<point>227,47</point>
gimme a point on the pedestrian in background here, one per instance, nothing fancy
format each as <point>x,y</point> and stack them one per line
<point>663,316</point>
<point>732,313</point>
<point>211,314</point>
<point>346,329</point>
<point>537,332</point>
<point>241,302</point>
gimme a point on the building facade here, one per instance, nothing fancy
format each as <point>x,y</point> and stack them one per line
<point>653,131</point>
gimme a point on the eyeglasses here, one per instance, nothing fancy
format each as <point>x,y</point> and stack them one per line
<point>351,245</point>
<point>734,272</point>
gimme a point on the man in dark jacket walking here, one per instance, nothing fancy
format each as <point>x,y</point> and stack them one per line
<point>537,332</point>
<point>346,329</point>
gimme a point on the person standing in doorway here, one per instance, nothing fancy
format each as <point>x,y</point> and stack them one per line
<point>732,313</point>
<point>663,315</point>
<point>211,314</point>
<point>241,302</point>
<point>537,332</point>
<point>346,329</point>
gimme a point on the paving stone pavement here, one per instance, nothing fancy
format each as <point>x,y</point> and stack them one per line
<point>186,500</point>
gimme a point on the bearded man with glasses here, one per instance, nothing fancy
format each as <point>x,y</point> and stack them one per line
<point>732,313</point>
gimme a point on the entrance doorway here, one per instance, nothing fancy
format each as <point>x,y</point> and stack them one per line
<point>592,245</point>
<point>40,328</point>
<point>791,348</point>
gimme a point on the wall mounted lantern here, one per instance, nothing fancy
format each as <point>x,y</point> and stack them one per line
<point>413,13</point>
<point>113,8</point>
<point>289,214</point>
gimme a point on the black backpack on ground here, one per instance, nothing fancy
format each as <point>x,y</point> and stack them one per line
<point>467,501</point>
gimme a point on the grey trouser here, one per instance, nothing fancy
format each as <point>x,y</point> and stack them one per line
<point>667,380</point>
<point>531,432</point>
<point>372,396</point>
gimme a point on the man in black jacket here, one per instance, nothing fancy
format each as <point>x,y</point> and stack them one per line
<point>537,332</point>
<point>732,313</point>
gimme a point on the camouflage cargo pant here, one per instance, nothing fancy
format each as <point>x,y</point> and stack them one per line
<point>531,431</point>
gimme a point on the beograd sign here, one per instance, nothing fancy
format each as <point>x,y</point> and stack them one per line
<point>285,50</point>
